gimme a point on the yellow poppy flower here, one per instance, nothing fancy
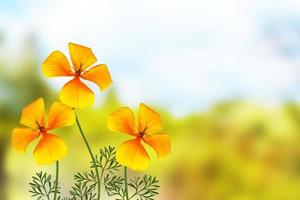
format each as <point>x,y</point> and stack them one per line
<point>132,153</point>
<point>75,93</point>
<point>50,147</point>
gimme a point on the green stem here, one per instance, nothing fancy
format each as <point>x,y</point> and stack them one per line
<point>125,179</point>
<point>102,172</point>
<point>47,194</point>
<point>101,177</point>
<point>56,179</point>
<point>91,155</point>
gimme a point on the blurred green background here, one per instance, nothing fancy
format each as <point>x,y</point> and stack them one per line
<point>224,80</point>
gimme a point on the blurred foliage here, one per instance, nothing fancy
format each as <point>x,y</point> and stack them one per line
<point>18,86</point>
<point>237,150</point>
<point>234,150</point>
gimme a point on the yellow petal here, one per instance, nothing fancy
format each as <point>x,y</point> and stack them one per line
<point>33,115</point>
<point>76,94</point>
<point>122,120</point>
<point>82,57</point>
<point>133,155</point>
<point>21,137</point>
<point>160,143</point>
<point>99,75</point>
<point>149,120</point>
<point>60,115</point>
<point>56,64</point>
<point>50,149</point>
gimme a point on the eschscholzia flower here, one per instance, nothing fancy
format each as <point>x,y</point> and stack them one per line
<point>51,147</point>
<point>132,152</point>
<point>75,93</point>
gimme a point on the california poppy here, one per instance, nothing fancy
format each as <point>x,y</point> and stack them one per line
<point>75,93</point>
<point>50,147</point>
<point>132,152</point>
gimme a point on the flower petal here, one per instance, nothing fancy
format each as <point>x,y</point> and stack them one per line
<point>133,155</point>
<point>99,75</point>
<point>60,115</point>
<point>33,115</point>
<point>149,120</point>
<point>160,143</point>
<point>21,137</point>
<point>56,64</point>
<point>82,57</point>
<point>122,120</point>
<point>50,149</point>
<point>76,94</point>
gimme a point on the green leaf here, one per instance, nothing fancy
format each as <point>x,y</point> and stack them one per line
<point>106,160</point>
<point>84,187</point>
<point>42,187</point>
<point>145,188</point>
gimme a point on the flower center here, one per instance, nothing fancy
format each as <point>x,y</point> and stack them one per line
<point>142,133</point>
<point>78,73</point>
<point>42,129</point>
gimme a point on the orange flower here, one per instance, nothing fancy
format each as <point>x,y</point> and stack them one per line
<point>75,93</point>
<point>132,153</point>
<point>50,147</point>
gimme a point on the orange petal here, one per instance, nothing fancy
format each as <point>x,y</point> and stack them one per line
<point>50,149</point>
<point>160,143</point>
<point>149,120</point>
<point>76,94</point>
<point>99,75</point>
<point>82,57</point>
<point>33,115</point>
<point>122,120</point>
<point>60,115</point>
<point>21,137</point>
<point>133,155</point>
<point>56,64</point>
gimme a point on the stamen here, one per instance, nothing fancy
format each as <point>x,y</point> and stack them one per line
<point>141,134</point>
<point>42,129</point>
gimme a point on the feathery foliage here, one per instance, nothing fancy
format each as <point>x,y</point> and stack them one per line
<point>84,188</point>
<point>42,187</point>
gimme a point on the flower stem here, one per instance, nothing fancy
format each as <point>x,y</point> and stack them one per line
<point>125,179</point>
<point>56,179</point>
<point>101,177</point>
<point>91,155</point>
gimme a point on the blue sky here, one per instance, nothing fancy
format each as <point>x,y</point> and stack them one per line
<point>184,55</point>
